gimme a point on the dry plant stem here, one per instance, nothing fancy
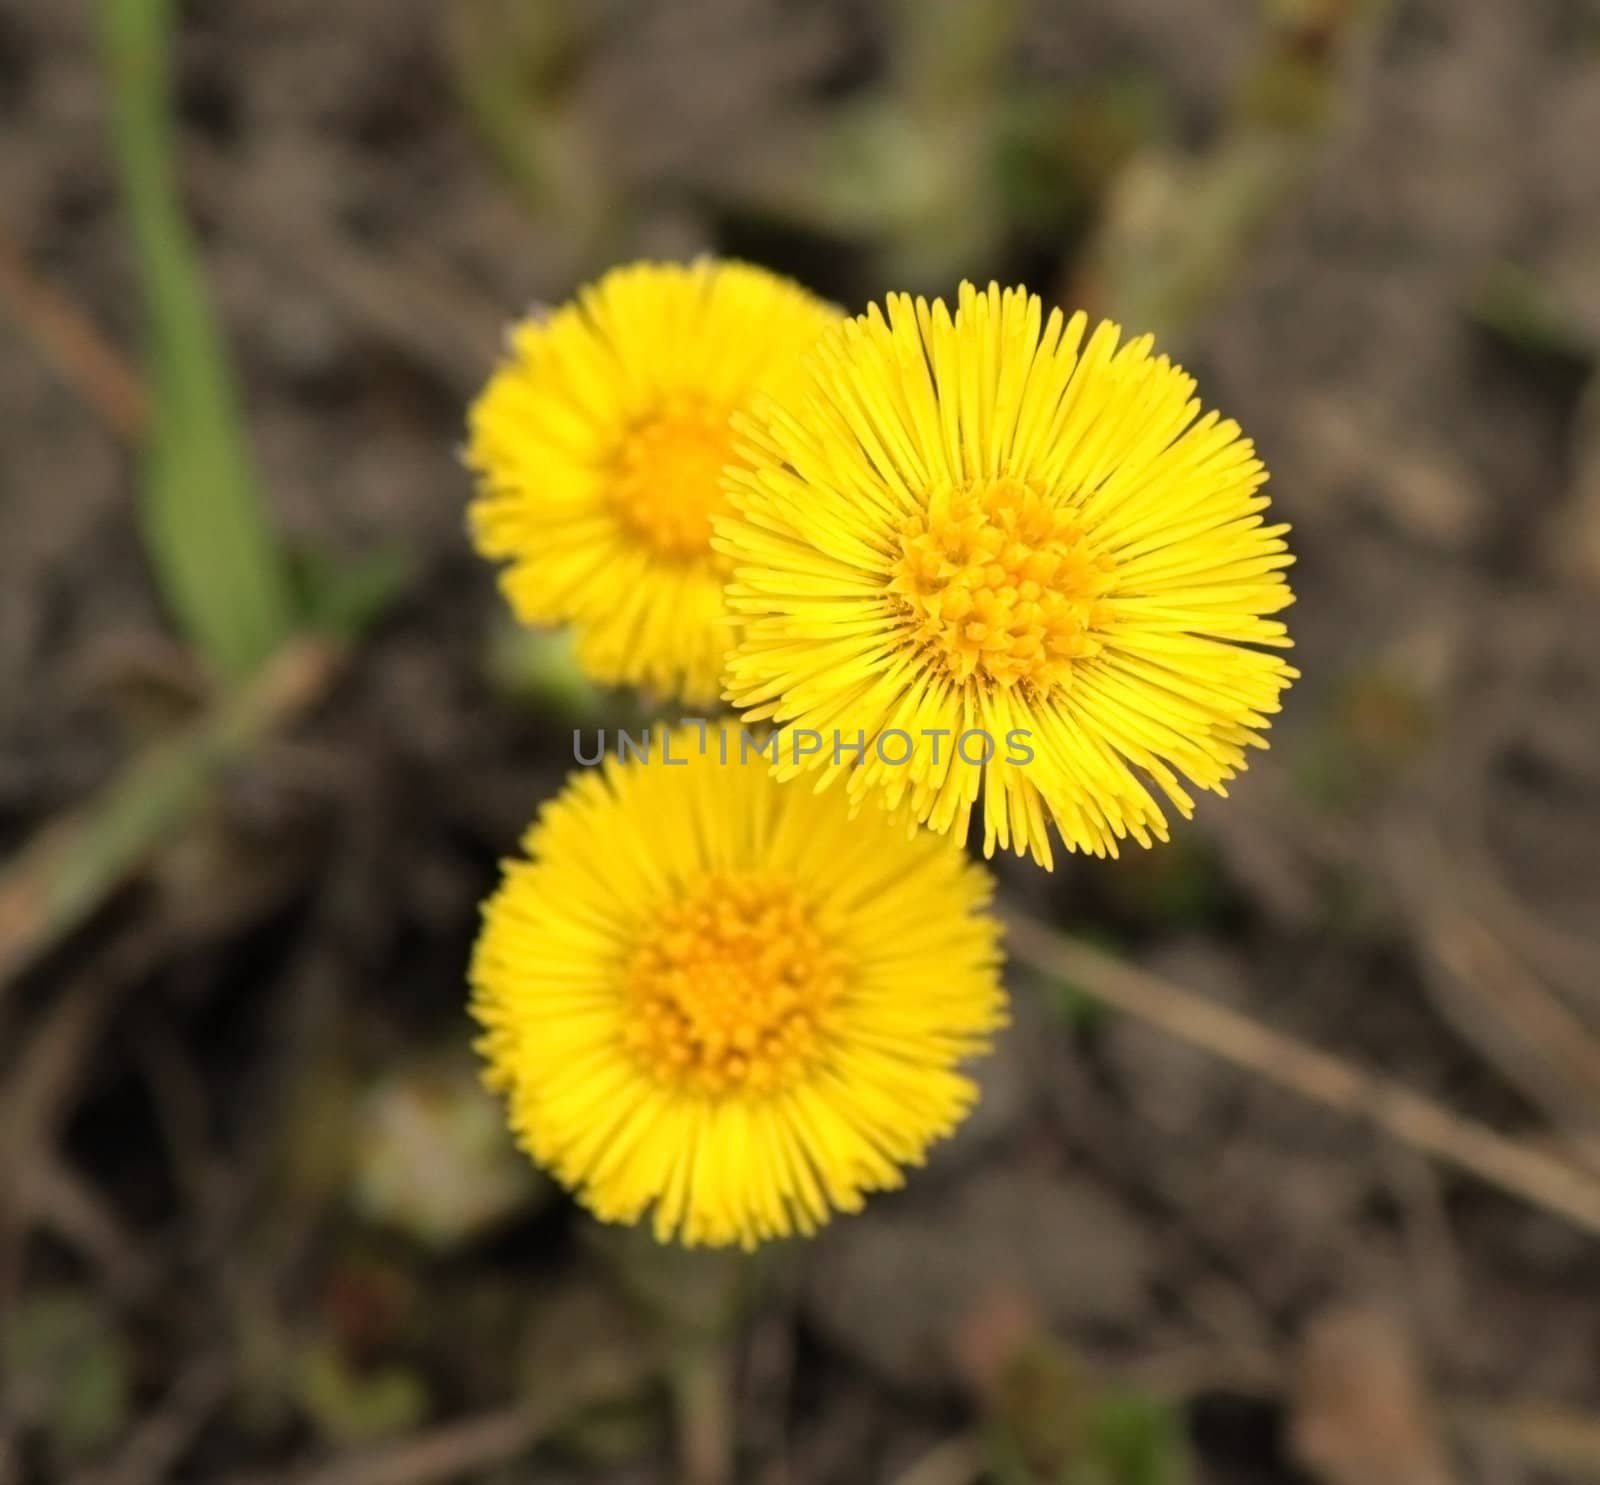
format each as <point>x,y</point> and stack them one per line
<point>957,1461</point>
<point>71,1208</point>
<point>38,1081</point>
<point>476,1446</point>
<point>85,360</point>
<point>1565,1442</point>
<point>765,1396</point>
<point>1517,988</point>
<point>1553,1054</point>
<point>702,1390</point>
<point>37,1087</point>
<point>74,864</point>
<point>160,1442</point>
<point>1540,1179</point>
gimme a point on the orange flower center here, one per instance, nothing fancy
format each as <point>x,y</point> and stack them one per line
<point>730,989</point>
<point>999,582</point>
<point>668,477</point>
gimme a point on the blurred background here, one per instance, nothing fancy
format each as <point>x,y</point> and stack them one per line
<point>264,734</point>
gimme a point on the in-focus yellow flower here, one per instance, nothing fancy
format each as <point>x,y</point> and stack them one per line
<point>988,524</point>
<point>715,995</point>
<point>598,448</point>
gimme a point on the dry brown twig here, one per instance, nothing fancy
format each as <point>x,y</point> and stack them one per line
<point>1362,1411</point>
<point>957,1461</point>
<point>38,1090</point>
<point>1486,956</point>
<point>1509,979</point>
<point>1563,1441</point>
<point>477,1445</point>
<point>67,1204</point>
<point>85,360</point>
<point>1543,1180</point>
<point>1514,983</point>
<point>160,1442</point>
<point>1492,995</point>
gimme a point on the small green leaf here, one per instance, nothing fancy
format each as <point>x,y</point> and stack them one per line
<point>206,526</point>
<point>1135,1439</point>
<point>1515,305</point>
<point>539,668</point>
<point>345,597</point>
<point>355,1408</point>
<point>65,1369</point>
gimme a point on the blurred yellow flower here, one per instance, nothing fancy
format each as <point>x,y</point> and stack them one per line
<point>714,995</point>
<point>598,448</point>
<point>988,524</point>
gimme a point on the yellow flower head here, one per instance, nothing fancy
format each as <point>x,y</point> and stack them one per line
<point>988,524</point>
<point>716,995</point>
<point>598,448</point>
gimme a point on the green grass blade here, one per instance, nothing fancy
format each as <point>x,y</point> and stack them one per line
<point>205,523</point>
<point>67,871</point>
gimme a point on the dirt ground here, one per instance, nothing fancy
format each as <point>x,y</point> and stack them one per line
<point>255,1223</point>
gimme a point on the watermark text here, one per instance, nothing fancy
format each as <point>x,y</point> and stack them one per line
<point>894,747</point>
